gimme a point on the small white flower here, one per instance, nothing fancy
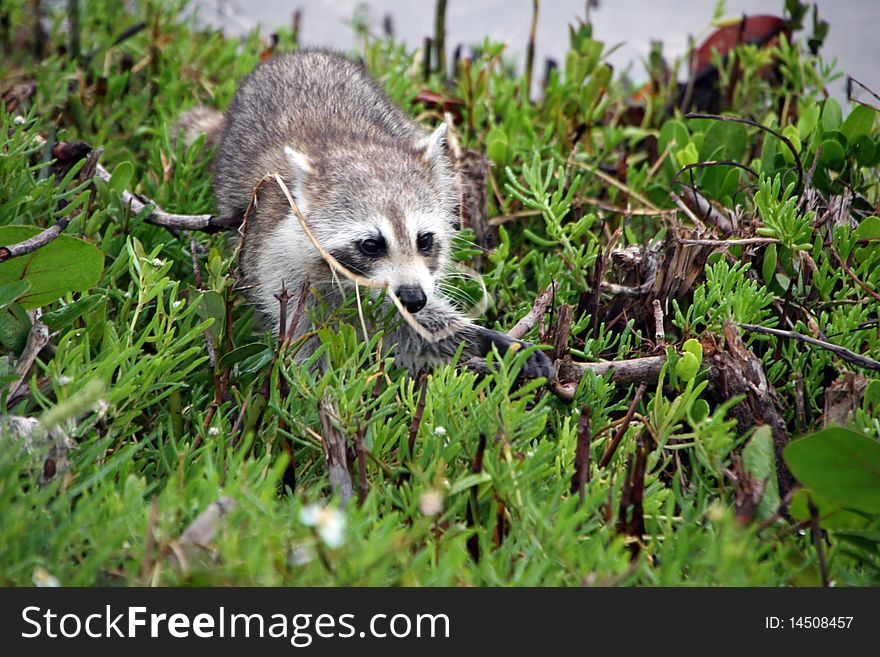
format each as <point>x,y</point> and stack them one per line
<point>158,262</point>
<point>64,380</point>
<point>177,304</point>
<point>302,555</point>
<point>18,120</point>
<point>100,407</point>
<point>431,502</point>
<point>43,579</point>
<point>328,521</point>
<point>440,431</point>
<point>213,431</point>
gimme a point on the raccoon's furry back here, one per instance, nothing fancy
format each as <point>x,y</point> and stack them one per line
<point>312,96</point>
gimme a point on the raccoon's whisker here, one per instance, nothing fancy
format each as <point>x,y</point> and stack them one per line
<point>453,290</point>
<point>454,274</point>
<point>473,307</point>
<point>458,239</point>
<point>451,294</point>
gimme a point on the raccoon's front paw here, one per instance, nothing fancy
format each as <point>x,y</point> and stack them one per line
<point>538,364</point>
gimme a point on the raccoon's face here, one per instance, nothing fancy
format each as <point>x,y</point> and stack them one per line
<point>389,221</point>
<point>406,252</point>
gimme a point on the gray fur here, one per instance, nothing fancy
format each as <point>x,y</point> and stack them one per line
<point>358,169</point>
<point>197,121</point>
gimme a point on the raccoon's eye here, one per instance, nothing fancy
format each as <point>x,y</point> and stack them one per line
<point>425,242</point>
<point>372,247</point>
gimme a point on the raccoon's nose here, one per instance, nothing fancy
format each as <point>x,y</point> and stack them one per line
<point>412,297</point>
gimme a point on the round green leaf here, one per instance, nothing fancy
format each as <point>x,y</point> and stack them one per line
<point>14,327</point>
<point>694,347</point>
<point>858,123</point>
<point>727,136</point>
<point>868,229</point>
<point>64,265</point>
<point>833,155</point>
<point>687,155</point>
<point>698,411</point>
<point>121,177</point>
<point>832,516</point>
<point>497,146</point>
<point>831,115</point>
<point>687,366</point>
<point>840,465</point>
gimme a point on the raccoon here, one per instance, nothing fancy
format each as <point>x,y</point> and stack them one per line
<point>377,192</point>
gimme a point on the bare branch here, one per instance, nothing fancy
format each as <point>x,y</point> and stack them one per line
<point>842,352</point>
<point>531,318</point>
<point>659,332</point>
<point>206,223</point>
<point>333,443</point>
<point>35,242</point>
<point>38,337</point>
<point>621,430</point>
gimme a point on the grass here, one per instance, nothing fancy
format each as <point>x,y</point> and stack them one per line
<point>486,497</point>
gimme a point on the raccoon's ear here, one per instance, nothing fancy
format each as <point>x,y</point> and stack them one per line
<point>299,164</point>
<point>433,145</point>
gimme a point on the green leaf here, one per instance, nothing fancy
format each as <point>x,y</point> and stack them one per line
<point>863,150</point>
<point>831,516</point>
<point>687,155</point>
<point>698,411</point>
<point>240,353</point>
<point>14,327</point>
<point>868,229</point>
<point>497,146</point>
<point>768,269</point>
<point>694,347</point>
<point>591,92</point>
<point>808,121</point>
<point>872,397</point>
<point>840,465</point>
<point>759,460</point>
<point>831,115</point>
<point>673,135</point>
<point>121,177</point>
<point>468,481</point>
<point>833,155</point>
<point>858,123</point>
<point>65,265</point>
<point>687,367</point>
<point>67,315</point>
<point>730,137</point>
<point>256,362</point>
<point>791,134</point>
<point>11,292</point>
